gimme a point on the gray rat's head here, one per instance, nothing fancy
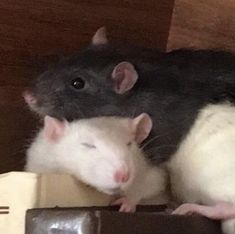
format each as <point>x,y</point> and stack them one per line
<point>84,84</point>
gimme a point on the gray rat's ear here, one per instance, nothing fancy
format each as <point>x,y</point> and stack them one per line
<point>142,127</point>
<point>124,76</point>
<point>100,37</point>
<point>53,128</point>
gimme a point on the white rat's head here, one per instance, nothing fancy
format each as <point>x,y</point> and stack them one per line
<point>102,151</point>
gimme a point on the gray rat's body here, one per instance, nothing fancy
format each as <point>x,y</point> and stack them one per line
<point>100,152</point>
<point>172,87</point>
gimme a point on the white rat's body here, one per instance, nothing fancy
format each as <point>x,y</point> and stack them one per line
<point>203,169</point>
<point>101,152</point>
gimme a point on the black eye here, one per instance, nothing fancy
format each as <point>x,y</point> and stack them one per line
<point>129,143</point>
<point>88,145</point>
<point>78,83</point>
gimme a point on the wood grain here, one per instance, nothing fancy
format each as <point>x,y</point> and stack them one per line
<point>35,32</point>
<point>203,24</point>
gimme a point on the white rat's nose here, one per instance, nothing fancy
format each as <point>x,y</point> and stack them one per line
<point>121,176</point>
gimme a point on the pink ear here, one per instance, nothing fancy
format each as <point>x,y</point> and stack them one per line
<point>142,127</point>
<point>100,37</point>
<point>53,128</point>
<point>125,76</point>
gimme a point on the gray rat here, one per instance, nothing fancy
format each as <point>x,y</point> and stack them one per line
<point>103,80</point>
<point>202,171</point>
<point>102,152</point>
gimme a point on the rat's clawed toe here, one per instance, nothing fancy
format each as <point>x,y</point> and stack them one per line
<point>185,209</point>
<point>219,211</point>
<point>126,205</point>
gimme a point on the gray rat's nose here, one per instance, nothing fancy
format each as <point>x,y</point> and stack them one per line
<point>29,97</point>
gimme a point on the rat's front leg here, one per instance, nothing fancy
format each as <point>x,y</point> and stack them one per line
<point>219,211</point>
<point>126,205</point>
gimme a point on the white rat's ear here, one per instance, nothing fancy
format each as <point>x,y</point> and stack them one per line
<point>53,128</point>
<point>100,37</point>
<point>124,76</point>
<point>142,127</point>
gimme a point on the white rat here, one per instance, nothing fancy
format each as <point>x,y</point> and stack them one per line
<point>102,152</point>
<point>202,171</point>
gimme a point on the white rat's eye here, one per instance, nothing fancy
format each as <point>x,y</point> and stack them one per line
<point>129,143</point>
<point>90,146</point>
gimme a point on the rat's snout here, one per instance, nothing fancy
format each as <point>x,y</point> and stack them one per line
<point>121,175</point>
<point>29,98</point>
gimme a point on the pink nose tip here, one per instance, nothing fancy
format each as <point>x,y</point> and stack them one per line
<point>121,176</point>
<point>29,98</point>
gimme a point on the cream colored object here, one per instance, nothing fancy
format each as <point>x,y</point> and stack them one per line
<point>18,191</point>
<point>64,191</point>
<point>22,190</point>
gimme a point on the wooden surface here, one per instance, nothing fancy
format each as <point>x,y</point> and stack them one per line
<point>34,32</point>
<point>203,24</point>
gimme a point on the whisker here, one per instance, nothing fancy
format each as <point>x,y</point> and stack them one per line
<point>151,151</point>
<point>152,139</point>
<point>164,146</point>
<point>133,113</point>
<point>149,141</point>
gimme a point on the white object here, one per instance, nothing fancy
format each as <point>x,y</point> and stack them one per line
<point>102,152</point>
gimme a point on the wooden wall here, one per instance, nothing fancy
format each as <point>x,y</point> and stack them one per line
<point>203,24</point>
<point>34,32</point>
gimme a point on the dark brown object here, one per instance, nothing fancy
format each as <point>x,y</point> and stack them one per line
<point>203,24</point>
<point>4,210</point>
<point>103,221</point>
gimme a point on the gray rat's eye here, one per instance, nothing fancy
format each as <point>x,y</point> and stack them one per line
<point>78,83</point>
<point>90,146</point>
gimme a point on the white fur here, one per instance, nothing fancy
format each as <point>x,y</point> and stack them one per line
<point>203,168</point>
<point>96,166</point>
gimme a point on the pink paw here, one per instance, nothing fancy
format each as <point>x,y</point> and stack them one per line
<point>185,209</point>
<point>218,211</point>
<point>126,205</point>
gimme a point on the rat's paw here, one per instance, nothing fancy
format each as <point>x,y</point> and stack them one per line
<point>228,226</point>
<point>185,209</point>
<point>126,205</point>
<point>218,211</point>
<point>171,206</point>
